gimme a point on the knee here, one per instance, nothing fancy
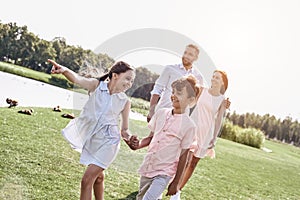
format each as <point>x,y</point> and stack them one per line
<point>86,182</point>
<point>100,179</point>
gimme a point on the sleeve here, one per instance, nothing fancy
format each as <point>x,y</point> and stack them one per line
<point>161,82</point>
<point>201,82</point>
<point>199,78</point>
<point>203,144</point>
<point>188,138</point>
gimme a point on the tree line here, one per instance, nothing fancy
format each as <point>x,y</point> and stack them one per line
<point>286,130</point>
<point>21,47</point>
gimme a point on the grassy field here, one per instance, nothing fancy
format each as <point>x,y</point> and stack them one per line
<point>37,163</point>
<point>25,72</point>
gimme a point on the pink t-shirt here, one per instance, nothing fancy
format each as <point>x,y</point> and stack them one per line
<point>172,133</point>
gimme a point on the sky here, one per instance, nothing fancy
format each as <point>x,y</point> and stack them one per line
<point>256,42</point>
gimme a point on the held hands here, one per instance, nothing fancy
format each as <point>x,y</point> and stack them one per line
<point>57,68</point>
<point>133,142</point>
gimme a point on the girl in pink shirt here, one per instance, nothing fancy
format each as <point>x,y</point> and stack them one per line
<point>172,133</point>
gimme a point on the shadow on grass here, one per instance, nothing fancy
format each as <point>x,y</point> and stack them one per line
<point>131,196</point>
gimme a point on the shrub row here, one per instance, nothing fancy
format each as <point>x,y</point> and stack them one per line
<point>248,136</point>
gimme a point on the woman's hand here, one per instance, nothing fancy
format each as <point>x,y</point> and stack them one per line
<point>226,103</point>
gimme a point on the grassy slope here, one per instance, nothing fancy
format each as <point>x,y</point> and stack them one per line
<point>24,71</point>
<point>37,163</point>
<point>33,74</point>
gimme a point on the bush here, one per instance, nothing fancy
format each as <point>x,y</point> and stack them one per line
<point>251,137</point>
<point>140,103</point>
<point>229,131</point>
<point>248,136</point>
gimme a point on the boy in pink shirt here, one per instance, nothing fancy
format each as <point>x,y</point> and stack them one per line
<point>172,133</point>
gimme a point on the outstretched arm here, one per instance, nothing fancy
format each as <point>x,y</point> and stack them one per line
<point>88,83</point>
<point>175,184</point>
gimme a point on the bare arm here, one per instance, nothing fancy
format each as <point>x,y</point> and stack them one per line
<point>145,141</point>
<point>153,101</point>
<point>218,124</point>
<point>125,122</point>
<point>174,185</point>
<point>159,87</point>
<point>134,143</point>
<point>88,83</point>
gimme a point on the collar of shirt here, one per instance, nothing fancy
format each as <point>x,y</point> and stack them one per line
<point>189,70</point>
<point>104,87</point>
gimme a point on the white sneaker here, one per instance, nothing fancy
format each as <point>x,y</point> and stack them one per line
<point>176,196</point>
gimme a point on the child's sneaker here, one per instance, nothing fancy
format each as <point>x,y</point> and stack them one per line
<point>176,196</point>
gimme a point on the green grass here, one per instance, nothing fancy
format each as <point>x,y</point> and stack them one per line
<point>37,163</point>
<point>24,71</point>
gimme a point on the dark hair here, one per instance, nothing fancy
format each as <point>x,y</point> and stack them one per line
<point>190,82</point>
<point>118,68</point>
<point>225,80</point>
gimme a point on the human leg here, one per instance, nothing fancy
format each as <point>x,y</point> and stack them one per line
<point>145,183</point>
<point>91,174</point>
<point>192,163</point>
<point>158,185</point>
<point>99,187</point>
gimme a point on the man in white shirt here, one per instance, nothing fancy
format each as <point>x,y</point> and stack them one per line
<point>162,91</point>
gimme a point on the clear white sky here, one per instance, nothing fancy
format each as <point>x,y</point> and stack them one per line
<point>257,42</point>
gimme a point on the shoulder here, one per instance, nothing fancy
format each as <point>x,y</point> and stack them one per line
<point>189,121</point>
<point>189,128</point>
<point>196,72</point>
<point>122,96</point>
<point>172,67</point>
<point>204,91</point>
<point>163,110</point>
<point>102,85</point>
